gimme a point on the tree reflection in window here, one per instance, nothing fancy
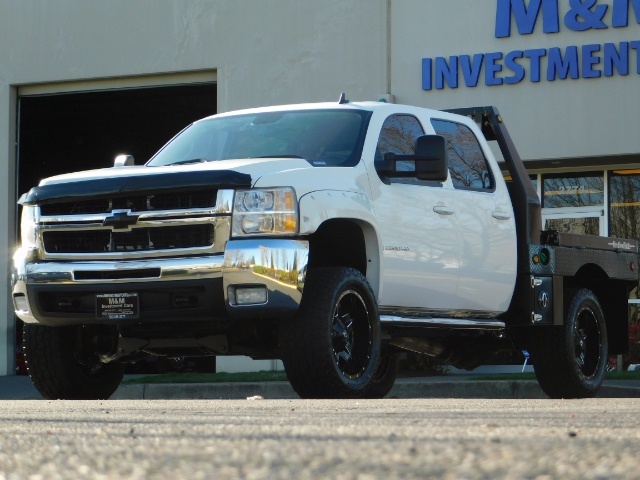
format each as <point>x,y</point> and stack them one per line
<point>568,190</point>
<point>585,226</point>
<point>624,194</point>
<point>467,165</point>
<point>398,135</point>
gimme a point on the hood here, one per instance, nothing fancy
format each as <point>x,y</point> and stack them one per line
<point>251,166</point>
<point>114,181</point>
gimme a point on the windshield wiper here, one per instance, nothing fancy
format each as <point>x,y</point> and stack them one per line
<point>280,156</point>
<point>185,162</point>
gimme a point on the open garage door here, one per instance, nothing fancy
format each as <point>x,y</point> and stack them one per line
<point>68,131</point>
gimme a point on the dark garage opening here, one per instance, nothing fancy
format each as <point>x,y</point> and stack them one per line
<point>68,132</point>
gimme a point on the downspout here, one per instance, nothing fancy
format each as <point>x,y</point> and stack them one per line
<point>388,80</point>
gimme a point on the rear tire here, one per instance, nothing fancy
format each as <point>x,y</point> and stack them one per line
<point>570,360</point>
<point>62,367</point>
<point>332,347</point>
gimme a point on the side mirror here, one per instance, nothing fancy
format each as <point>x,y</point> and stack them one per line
<point>429,162</point>
<point>123,161</point>
<point>431,158</point>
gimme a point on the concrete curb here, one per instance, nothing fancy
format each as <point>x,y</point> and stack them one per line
<point>508,389</point>
<point>21,388</point>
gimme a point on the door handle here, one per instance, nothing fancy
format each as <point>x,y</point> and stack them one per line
<point>500,215</point>
<point>443,210</point>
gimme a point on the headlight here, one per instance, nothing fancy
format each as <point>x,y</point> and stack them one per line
<point>265,211</point>
<point>28,224</point>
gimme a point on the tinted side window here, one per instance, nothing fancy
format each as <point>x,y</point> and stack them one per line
<point>398,135</point>
<point>467,165</point>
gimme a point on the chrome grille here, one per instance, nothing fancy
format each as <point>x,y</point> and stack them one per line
<point>143,225</point>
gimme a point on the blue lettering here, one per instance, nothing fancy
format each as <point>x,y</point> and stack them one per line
<point>517,69</point>
<point>586,61</point>
<point>621,12</point>
<point>446,72</point>
<point>471,70</point>
<point>589,60</point>
<point>535,55</point>
<point>559,67</point>
<point>580,17</point>
<point>491,68</point>
<point>526,17</point>
<point>635,45</point>
<point>427,70</point>
<point>616,59</point>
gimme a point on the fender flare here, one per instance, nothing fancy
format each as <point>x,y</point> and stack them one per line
<point>320,206</point>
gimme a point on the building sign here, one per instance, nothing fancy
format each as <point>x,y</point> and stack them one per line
<point>542,64</point>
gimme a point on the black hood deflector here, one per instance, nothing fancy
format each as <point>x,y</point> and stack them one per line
<point>117,186</point>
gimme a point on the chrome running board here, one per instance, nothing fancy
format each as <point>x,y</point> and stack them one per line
<point>466,323</point>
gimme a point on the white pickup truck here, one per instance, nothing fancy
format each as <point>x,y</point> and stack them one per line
<point>332,236</point>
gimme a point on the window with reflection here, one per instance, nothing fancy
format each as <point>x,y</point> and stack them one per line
<point>566,190</point>
<point>624,198</point>
<point>624,218</point>
<point>398,135</point>
<point>467,165</point>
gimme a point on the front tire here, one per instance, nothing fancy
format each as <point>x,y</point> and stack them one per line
<point>385,376</point>
<point>62,367</point>
<point>570,361</point>
<point>332,347</point>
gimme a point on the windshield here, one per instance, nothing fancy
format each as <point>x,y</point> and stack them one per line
<point>322,137</point>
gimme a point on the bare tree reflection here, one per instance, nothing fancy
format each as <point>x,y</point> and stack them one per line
<point>624,215</point>
<point>467,164</point>
<point>573,191</point>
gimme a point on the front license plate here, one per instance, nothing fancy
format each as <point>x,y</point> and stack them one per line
<point>117,306</point>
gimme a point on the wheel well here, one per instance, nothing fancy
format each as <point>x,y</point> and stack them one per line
<point>613,296</point>
<point>338,243</point>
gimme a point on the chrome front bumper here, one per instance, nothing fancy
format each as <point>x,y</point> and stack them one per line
<point>277,265</point>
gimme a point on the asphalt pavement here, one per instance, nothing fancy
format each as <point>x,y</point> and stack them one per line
<point>397,439</point>
<point>450,386</point>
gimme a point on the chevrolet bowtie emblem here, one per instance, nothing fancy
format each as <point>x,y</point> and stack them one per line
<point>120,220</point>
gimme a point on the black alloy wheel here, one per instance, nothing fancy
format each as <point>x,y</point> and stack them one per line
<point>351,335</point>
<point>332,348</point>
<point>570,361</point>
<point>587,339</point>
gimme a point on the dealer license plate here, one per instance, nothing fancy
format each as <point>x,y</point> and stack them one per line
<point>117,306</point>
